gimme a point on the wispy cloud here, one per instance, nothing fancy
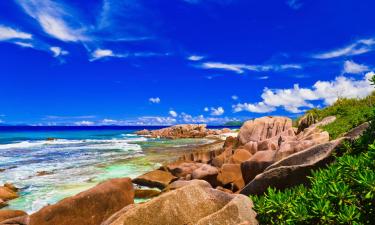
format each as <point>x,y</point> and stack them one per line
<point>24,44</point>
<point>241,68</point>
<point>8,33</point>
<point>84,123</point>
<point>296,99</point>
<point>354,68</point>
<point>234,97</point>
<point>357,48</point>
<point>155,100</point>
<point>195,58</point>
<point>54,19</point>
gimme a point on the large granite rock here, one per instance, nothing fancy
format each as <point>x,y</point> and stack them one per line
<point>182,168</point>
<point>91,207</point>
<point>357,132</point>
<point>263,128</point>
<point>239,156</point>
<point>156,178</point>
<point>257,164</point>
<point>292,170</point>
<point>196,203</point>
<point>10,214</point>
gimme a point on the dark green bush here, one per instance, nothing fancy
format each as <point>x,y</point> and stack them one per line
<point>343,193</point>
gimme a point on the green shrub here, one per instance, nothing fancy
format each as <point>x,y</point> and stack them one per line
<point>343,193</point>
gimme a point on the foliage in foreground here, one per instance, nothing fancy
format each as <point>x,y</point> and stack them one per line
<point>342,193</point>
<point>349,112</point>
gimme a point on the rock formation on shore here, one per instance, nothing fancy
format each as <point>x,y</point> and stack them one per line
<point>183,131</point>
<point>199,187</point>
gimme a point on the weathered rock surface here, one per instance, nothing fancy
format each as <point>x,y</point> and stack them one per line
<point>3,203</point>
<point>263,128</point>
<point>90,207</point>
<point>240,155</point>
<point>196,203</point>
<point>156,178</point>
<point>292,170</point>
<point>182,168</point>
<point>306,121</point>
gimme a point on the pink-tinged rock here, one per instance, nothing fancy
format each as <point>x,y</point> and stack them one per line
<point>207,173</point>
<point>240,155</point>
<point>156,178</point>
<point>263,128</point>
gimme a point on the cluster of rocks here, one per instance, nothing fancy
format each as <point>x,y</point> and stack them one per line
<point>112,203</point>
<point>183,131</point>
<point>207,186</point>
<point>260,143</point>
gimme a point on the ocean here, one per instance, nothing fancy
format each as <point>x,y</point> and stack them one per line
<point>51,163</point>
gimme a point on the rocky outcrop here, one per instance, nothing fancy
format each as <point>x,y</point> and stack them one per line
<point>257,164</point>
<point>91,207</point>
<point>263,128</point>
<point>207,173</point>
<point>230,174</point>
<point>306,121</point>
<point>6,215</point>
<point>292,170</point>
<point>183,131</point>
<point>196,203</point>
<point>156,178</point>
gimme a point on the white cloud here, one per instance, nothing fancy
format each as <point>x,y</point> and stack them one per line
<point>7,33</point>
<point>357,48</point>
<point>296,99</point>
<point>102,53</point>
<point>206,109</point>
<point>217,111</point>
<point>154,100</point>
<point>352,67</point>
<point>84,123</point>
<point>257,108</point>
<point>234,97</point>
<point>241,68</point>
<point>195,58</point>
<point>109,121</point>
<point>57,51</point>
<point>173,113</point>
<point>24,44</point>
<point>53,18</point>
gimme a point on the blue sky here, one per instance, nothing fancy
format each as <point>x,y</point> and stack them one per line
<point>139,62</point>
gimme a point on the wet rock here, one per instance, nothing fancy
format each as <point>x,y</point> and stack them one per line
<point>156,178</point>
<point>91,207</point>
<point>43,173</point>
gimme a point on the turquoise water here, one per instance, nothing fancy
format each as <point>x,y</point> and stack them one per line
<point>74,160</point>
